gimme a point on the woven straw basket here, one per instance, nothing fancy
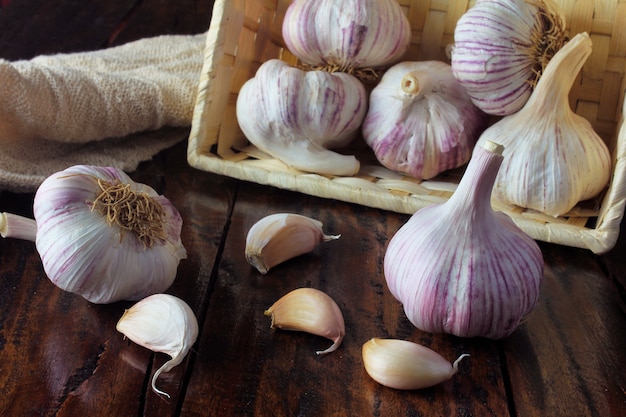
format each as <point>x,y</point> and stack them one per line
<point>245,33</point>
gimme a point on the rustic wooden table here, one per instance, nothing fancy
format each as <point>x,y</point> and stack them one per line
<point>61,356</point>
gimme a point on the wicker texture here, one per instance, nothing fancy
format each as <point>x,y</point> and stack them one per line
<point>245,33</point>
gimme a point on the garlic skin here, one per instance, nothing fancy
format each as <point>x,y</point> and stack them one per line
<point>162,323</point>
<point>501,48</point>
<point>296,115</point>
<point>553,157</point>
<point>420,120</point>
<point>405,365</point>
<point>279,237</point>
<point>346,35</point>
<point>312,311</point>
<point>84,253</point>
<point>461,268</point>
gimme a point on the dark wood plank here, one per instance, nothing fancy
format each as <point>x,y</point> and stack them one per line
<point>567,360</point>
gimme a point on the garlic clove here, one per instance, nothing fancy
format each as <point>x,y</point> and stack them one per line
<point>282,236</point>
<point>401,364</point>
<point>312,311</point>
<point>162,323</point>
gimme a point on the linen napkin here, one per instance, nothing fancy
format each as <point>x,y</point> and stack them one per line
<point>104,107</point>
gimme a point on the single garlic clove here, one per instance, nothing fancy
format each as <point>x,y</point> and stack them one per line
<point>162,323</point>
<point>401,364</point>
<point>312,311</point>
<point>282,236</point>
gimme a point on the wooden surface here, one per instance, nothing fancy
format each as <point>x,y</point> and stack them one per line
<point>61,356</point>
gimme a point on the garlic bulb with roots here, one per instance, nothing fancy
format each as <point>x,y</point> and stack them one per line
<point>420,120</point>
<point>553,157</point>
<point>346,35</point>
<point>461,268</point>
<point>102,235</point>
<point>296,116</point>
<point>501,48</point>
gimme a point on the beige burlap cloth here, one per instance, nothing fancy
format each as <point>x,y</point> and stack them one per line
<point>101,108</point>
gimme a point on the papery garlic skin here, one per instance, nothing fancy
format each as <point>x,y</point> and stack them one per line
<point>501,47</point>
<point>553,157</point>
<point>296,115</point>
<point>347,34</point>
<point>405,365</point>
<point>461,268</point>
<point>312,311</point>
<point>82,253</point>
<point>279,237</point>
<point>420,120</point>
<point>162,323</point>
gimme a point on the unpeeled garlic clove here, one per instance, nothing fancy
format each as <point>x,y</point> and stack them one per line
<point>162,323</point>
<point>282,236</point>
<point>312,311</point>
<point>401,364</point>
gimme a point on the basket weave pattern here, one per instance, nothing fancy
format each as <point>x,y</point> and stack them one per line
<point>245,33</point>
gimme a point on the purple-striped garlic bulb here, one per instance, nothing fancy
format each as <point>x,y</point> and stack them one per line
<point>347,35</point>
<point>553,157</point>
<point>501,48</point>
<point>296,116</point>
<point>461,268</point>
<point>420,120</point>
<point>104,236</point>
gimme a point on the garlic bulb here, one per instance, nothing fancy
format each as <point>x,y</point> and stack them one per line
<point>553,157</point>
<point>312,311</point>
<point>295,115</point>
<point>501,48</point>
<point>420,120</point>
<point>401,364</point>
<point>348,34</point>
<point>461,268</point>
<point>104,236</point>
<point>282,236</point>
<point>162,323</point>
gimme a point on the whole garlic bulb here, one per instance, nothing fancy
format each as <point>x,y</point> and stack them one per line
<point>296,115</point>
<point>348,34</point>
<point>553,157</point>
<point>461,268</point>
<point>501,48</point>
<point>104,236</point>
<point>420,120</point>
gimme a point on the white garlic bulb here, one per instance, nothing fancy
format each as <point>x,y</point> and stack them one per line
<point>162,323</point>
<point>553,157</point>
<point>461,268</point>
<point>296,116</point>
<point>420,120</point>
<point>104,236</point>
<point>348,34</point>
<point>501,48</point>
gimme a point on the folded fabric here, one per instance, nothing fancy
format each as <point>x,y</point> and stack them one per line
<point>88,107</point>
